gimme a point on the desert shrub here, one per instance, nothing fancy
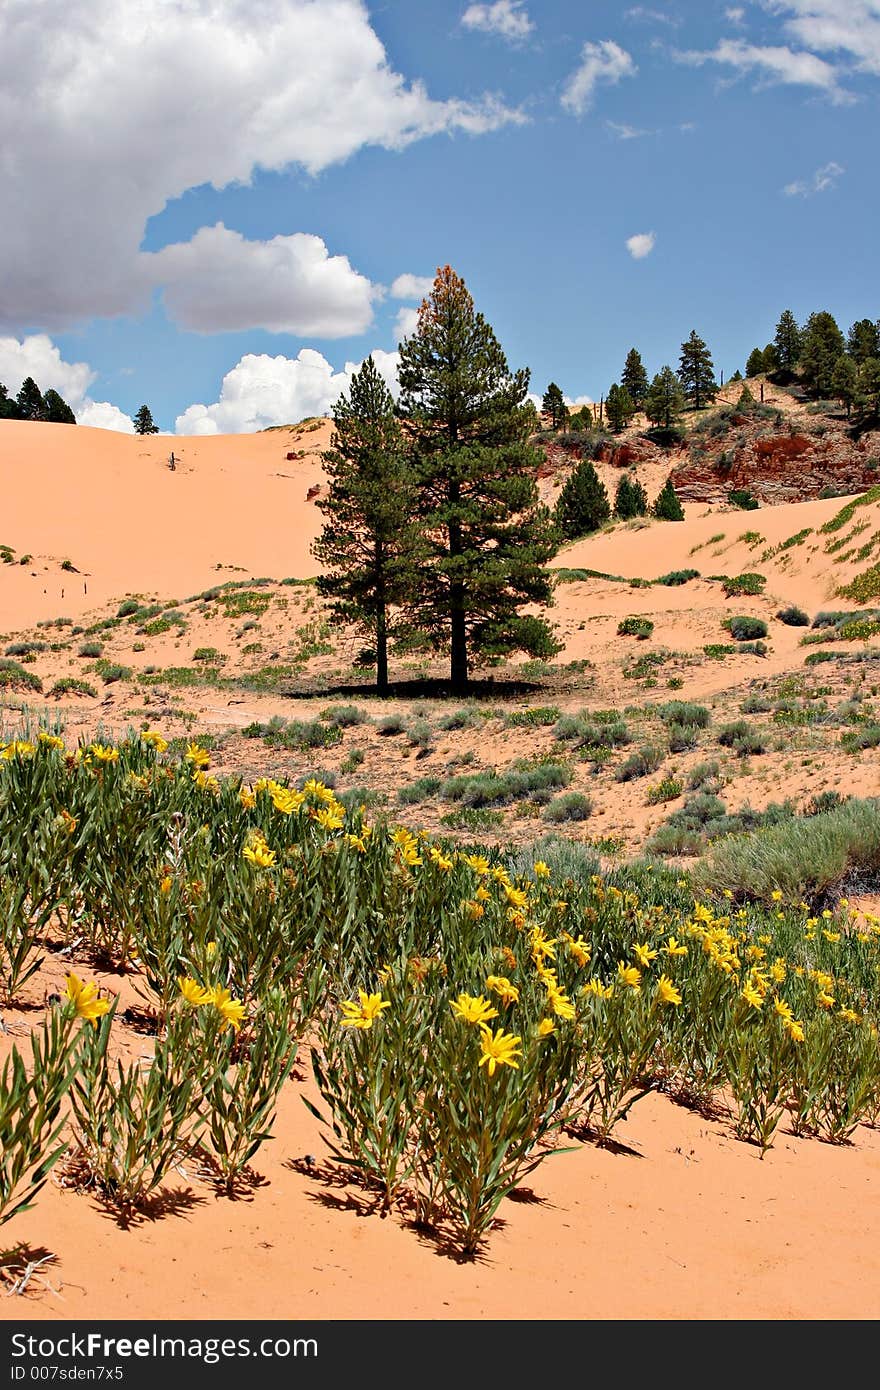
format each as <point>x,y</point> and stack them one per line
<point>497,789</point>
<point>682,737</point>
<point>91,649</point>
<point>745,629</point>
<point>675,577</point>
<point>793,616</point>
<point>641,763</point>
<point>420,734</point>
<point>392,724</point>
<point>304,734</point>
<point>742,498</point>
<point>465,718</point>
<point>833,617</point>
<point>756,704</point>
<point>533,718</point>
<point>801,857</point>
<point>705,777</point>
<point>635,627</point>
<point>15,677</point>
<point>26,648</point>
<point>70,685</point>
<point>420,790</point>
<point>717,651</point>
<point>585,731</point>
<point>346,716</point>
<point>570,806</point>
<point>822,802</point>
<point>209,654</point>
<point>666,790</point>
<point>744,584</point>
<point>673,840</point>
<point>854,740</point>
<point>112,671</point>
<point>756,648</point>
<point>127,607</point>
<point>565,858</point>
<point>684,712</point>
<point>742,737</point>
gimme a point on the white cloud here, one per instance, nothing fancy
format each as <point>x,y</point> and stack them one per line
<point>406,323</point>
<point>101,415</point>
<point>220,282</point>
<point>774,64</point>
<point>820,182</point>
<point>849,27</point>
<point>408,286</point>
<point>605,61</point>
<point>504,17</point>
<point>37,356</point>
<point>110,109</point>
<point>735,14</point>
<point>627,132</point>
<point>261,390</point>
<point>640,245</point>
<point>642,12</point>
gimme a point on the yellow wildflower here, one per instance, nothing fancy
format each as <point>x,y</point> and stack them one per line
<point>193,992</point>
<point>644,954</point>
<point>825,1001</point>
<point>629,975</point>
<point>499,1050</point>
<point>50,740</point>
<point>259,853</point>
<point>561,1004</point>
<point>666,991</point>
<point>546,1027</point>
<point>478,862</point>
<point>500,985</point>
<point>753,998</point>
<point>543,946</point>
<point>473,1008</point>
<point>541,871</point>
<point>104,754</point>
<point>329,819</point>
<point>674,948</point>
<point>579,951</point>
<point>850,1015</point>
<point>794,1029</point>
<point>198,756</point>
<point>776,895</point>
<point>85,1000</point>
<point>248,797</point>
<point>365,1012</point>
<point>155,739</point>
<point>781,1007</point>
<point>231,1009</point>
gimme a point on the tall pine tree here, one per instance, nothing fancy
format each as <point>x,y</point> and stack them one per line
<point>619,407</point>
<point>370,543</point>
<point>553,404</point>
<point>667,506</point>
<point>822,345</point>
<point>58,412</point>
<point>665,399</point>
<point>476,475</point>
<point>788,341</point>
<point>144,423</point>
<point>30,402</point>
<point>8,407</point>
<point>630,499</point>
<point>582,505</point>
<point>634,378</point>
<point>696,372</point>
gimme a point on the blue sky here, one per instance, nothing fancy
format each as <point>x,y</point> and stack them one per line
<point>220,207</point>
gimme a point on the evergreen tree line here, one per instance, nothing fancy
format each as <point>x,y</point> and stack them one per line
<point>32,404</point>
<point>830,366</point>
<point>662,398</point>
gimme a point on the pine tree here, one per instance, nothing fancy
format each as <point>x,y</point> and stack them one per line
<point>863,341</point>
<point>665,399</point>
<point>696,372</point>
<point>746,400</point>
<point>867,402</point>
<point>630,499</point>
<point>370,543</point>
<point>755,362</point>
<point>667,506</point>
<point>144,423</point>
<point>634,378</point>
<point>476,485</point>
<point>788,341</point>
<point>8,408</point>
<point>582,420</point>
<point>30,401</point>
<point>553,404</point>
<point>845,382</point>
<point>583,504</point>
<point>823,343</point>
<point>58,412</point>
<point>771,359</point>
<point>619,407</point>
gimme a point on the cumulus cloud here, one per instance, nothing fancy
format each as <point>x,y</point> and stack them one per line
<point>101,415</point>
<point>406,323</point>
<point>411,286</point>
<point>37,356</point>
<point>112,108</point>
<point>735,14</point>
<point>649,16</point>
<point>604,61</point>
<point>779,64</point>
<point>640,245</point>
<point>505,17</point>
<point>221,282</point>
<point>850,27</point>
<point>261,390</point>
<point>820,182</point>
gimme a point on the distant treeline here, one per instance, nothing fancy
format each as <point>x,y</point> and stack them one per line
<point>31,404</point>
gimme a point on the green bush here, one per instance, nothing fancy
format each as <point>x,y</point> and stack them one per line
<point>742,498</point>
<point>420,790</point>
<point>745,629</point>
<point>675,577</point>
<point>573,806</point>
<point>15,677</point>
<point>793,616</point>
<point>667,790</point>
<point>91,649</point>
<point>635,627</point>
<point>127,607</point>
<point>642,763</point>
<point>684,712</point>
<point>744,584</point>
<point>69,685</point>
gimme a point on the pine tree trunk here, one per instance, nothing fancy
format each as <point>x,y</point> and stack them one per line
<point>381,652</point>
<point>458,642</point>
